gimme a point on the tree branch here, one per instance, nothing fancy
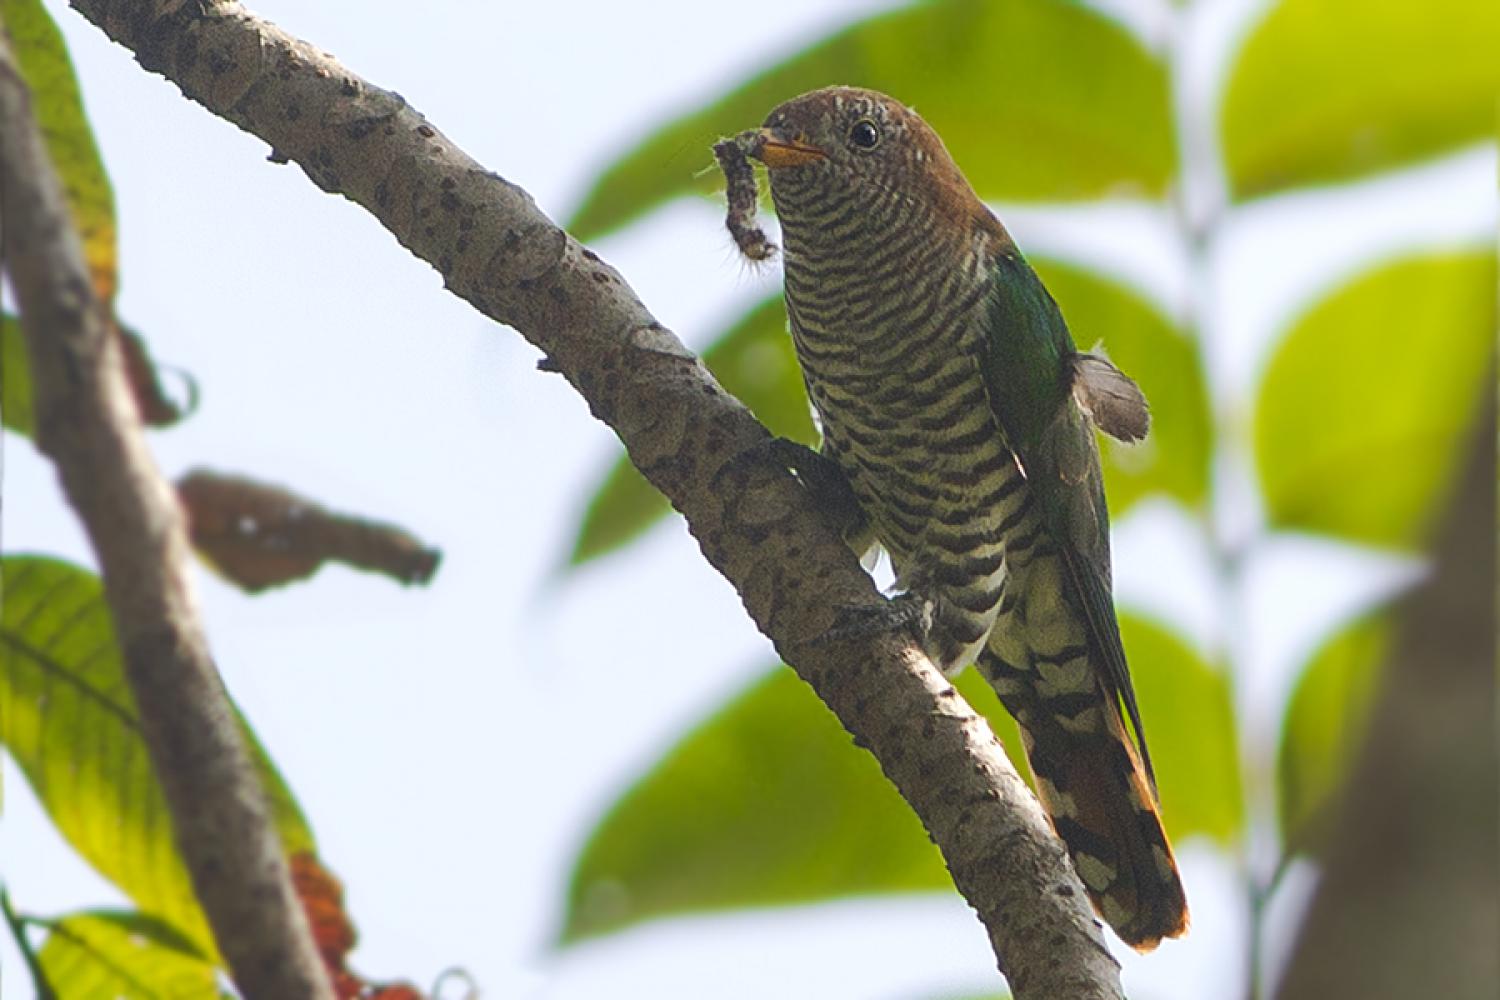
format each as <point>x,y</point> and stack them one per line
<point>699,446</point>
<point>88,424</point>
<point>1409,902</point>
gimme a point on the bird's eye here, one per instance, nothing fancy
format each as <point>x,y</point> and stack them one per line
<point>865,134</point>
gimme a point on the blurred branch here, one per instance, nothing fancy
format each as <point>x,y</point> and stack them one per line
<point>694,442</point>
<point>1409,902</point>
<point>88,423</point>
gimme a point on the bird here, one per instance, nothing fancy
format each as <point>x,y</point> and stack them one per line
<point>956,410</point>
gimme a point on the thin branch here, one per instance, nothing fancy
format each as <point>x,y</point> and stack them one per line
<point>699,446</point>
<point>87,422</point>
<point>17,926</point>
<point>1409,901</point>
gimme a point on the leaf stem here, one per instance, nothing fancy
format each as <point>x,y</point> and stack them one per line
<point>17,925</point>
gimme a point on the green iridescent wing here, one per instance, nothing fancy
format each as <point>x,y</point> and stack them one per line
<point>1030,368</point>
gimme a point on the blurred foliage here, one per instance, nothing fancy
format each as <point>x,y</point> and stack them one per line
<point>1324,726</point>
<point>1075,108</point>
<point>1327,90</point>
<point>15,378</point>
<point>124,956</point>
<point>1363,407</point>
<point>42,56</point>
<point>769,802</point>
<point>68,720</point>
<point>755,361</point>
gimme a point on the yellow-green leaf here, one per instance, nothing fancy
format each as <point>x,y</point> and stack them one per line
<point>1037,99</point>
<point>58,105</point>
<point>124,956</point>
<point>1167,365</point>
<point>769,802</point>
<point>755,362</point>
<point>15,378</point>
<point>1188,712</point>
<point>1326,90</point>
<point>1365,405</point>
<point>1325,724</point>
<point>68,719</point>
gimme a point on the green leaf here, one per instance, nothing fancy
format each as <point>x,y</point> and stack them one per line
<point>1187,709</point>
<point>1325,724</point>
<point>754,361</point>
<point>69,721</point>
<point>1167,365</point>
<point>1327,90</point>
<point>1037,99</point>
<point>124,956</point>
<point>55,100</point>
<point>1364,406</point>
<point>769,802</point>
<point>15,378</point>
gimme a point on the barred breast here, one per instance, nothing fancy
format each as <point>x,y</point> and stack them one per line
<point>888,332</point>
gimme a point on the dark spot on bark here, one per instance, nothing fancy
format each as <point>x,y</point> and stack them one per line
<point>600,277</point>
<point>449,184</point>
<point>462,246</point>
<point>558,294</point>
<point>426,131</point>
<point>359,129</point>
<point>590,255</point>
<point>278,157</point>
<point>292,112</point>
<point>429,231</point>
<point>1065,891</point>
<point>382,195</point>
<point>449,201</point>
<point>445,264</point>
<point>390,130</point>
<point>348,88</point>
<point>929,728</point>
<point>512,241</point>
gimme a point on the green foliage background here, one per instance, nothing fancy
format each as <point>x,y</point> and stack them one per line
<point>1353,431</point>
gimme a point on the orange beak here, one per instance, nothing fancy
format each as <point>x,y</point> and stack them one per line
<point>776,151</point>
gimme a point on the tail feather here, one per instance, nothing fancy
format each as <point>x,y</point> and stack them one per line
<point>1094,789</point>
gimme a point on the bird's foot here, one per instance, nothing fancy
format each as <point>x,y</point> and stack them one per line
<point>820,475</point>
<point>904,612</point>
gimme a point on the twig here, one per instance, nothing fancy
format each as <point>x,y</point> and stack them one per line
<point>695,443</point>
<point>88,423</point>
<point>17,926</point>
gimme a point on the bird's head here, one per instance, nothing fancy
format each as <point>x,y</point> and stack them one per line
<point>842,140</point>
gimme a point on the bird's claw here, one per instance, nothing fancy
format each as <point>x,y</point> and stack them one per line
<point>904,612</point>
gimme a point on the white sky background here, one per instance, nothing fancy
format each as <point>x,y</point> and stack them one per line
<point>454,744</point>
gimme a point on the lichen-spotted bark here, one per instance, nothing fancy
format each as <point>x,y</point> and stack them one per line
<point>695,443</point>
<point>88,423</point>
